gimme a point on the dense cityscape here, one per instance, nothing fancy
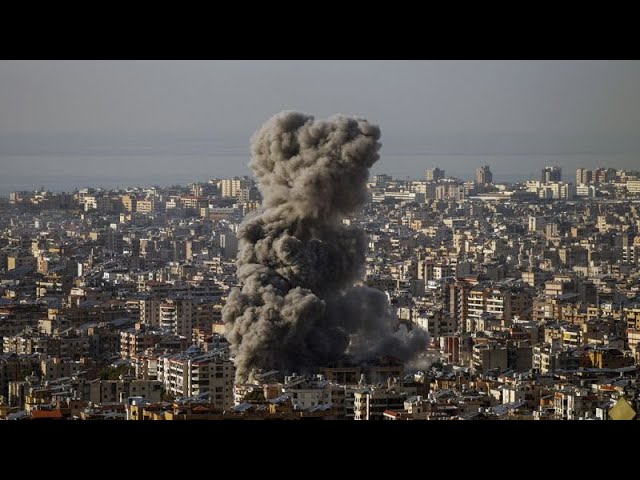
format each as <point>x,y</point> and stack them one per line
<point>111,303</point>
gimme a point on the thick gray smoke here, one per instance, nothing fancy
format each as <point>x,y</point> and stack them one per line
<point>298,309</point>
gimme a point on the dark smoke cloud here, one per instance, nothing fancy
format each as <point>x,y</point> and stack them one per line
<point>297,262</point>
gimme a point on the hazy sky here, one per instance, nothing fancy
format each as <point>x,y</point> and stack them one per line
<point>423,107</point>
<point>236,96</point>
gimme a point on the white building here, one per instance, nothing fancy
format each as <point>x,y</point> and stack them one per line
<point>193,374</point>
<point>633,186</point>
<point>588,191</point>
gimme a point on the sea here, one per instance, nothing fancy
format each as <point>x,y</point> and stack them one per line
<point>67,163</point>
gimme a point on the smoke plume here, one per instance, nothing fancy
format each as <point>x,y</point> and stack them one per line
<point>297,262</point>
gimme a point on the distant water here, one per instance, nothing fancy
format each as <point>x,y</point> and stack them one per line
<point>57,173</point>
<point>65,163</point>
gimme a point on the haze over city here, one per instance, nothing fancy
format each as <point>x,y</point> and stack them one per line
<point>69,124</point>
<point>319,241</point>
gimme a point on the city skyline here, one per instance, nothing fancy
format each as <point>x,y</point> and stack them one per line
<point>115,304</point>
<point>74,123</point>
<point>319,240</point>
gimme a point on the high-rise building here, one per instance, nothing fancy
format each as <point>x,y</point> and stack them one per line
<point>129,203</point>
<point>194,373</point>
<point>586,191</point>
<point>176,316</point>
<point>382,179</point>
<point>197,189</point>
<point>150,311</point>
<point>450,191</point>
<point>458,301</point>
<point>232,187</point>
<point>551,174</point>
<point>433,174</point>
<point>633,186</point>
<point>604,175</point>
<point>135,342</point>
<point>584,176</point>
<point>229,244</point>
<point>484,175</point>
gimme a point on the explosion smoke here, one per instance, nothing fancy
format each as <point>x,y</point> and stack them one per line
<point>297,262</point>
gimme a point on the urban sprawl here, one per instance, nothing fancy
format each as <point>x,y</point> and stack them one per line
<point>111,300</point>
